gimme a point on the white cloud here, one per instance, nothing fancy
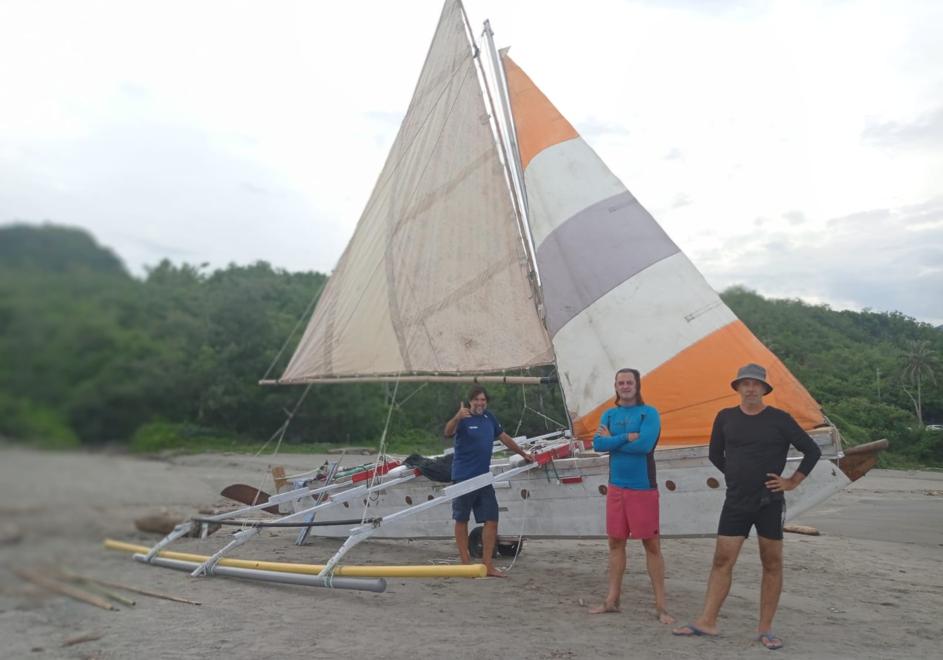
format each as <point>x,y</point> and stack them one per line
<point>235,130</point>
<point>924,132</point>
<point>884,259</point>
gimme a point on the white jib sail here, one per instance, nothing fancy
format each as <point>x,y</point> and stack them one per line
<point>435,278</point>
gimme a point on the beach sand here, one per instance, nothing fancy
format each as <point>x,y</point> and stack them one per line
<point>871,586</point>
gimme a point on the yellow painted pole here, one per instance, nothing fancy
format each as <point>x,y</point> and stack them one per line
<point>457,570</point>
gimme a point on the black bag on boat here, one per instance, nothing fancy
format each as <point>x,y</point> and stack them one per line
<point>434,469</point>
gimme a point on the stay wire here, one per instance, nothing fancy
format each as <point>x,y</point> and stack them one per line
<point>381,450</point>
<point>549,419</point>
<point>301,318</point>
<point>520,539</point>
<point>280,434</point>
<point>523,410</point>
<point>411,395</point>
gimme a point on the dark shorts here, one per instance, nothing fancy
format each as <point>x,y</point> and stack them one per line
<point>768,520</point>
<point>482,501</point>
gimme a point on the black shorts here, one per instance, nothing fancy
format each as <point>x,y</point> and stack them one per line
<point>768,520</point>
<point>483,502</point>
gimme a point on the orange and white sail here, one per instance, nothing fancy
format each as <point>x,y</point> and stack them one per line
<point>618,292</point>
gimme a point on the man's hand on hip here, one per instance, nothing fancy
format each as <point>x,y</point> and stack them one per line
<point>778,484</point>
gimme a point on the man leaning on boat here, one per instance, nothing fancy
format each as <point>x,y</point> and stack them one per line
<point>475,429</point>
<point>749,444</point>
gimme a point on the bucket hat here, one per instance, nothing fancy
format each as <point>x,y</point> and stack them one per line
<point>754,371</point>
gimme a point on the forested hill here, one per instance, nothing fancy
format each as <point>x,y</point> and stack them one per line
<point>55,249</point>
<point>91,355</point>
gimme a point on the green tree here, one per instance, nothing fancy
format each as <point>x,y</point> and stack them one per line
<point>919,364</point>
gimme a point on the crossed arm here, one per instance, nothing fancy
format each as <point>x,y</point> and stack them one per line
<point>629,443</point>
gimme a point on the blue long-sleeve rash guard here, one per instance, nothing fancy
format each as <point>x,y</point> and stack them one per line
<point>631,464</point>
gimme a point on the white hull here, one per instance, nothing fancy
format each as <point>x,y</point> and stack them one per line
<point>566,498</point>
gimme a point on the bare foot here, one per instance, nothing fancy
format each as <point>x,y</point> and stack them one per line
<point>665,618</point>
<point>493,572</point>
<point>606,608</point>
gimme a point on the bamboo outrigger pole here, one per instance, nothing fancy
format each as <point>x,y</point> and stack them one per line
<point>460,570</point>
<point>377,585</point>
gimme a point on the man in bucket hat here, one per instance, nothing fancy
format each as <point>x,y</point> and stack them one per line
<point>749,444</point>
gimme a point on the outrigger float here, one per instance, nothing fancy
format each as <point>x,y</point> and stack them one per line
<point>496,241</point>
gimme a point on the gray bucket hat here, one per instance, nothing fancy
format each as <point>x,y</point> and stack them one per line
<point>754,371</point>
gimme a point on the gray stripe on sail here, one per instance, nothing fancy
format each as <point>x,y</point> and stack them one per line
<point>595,251</point>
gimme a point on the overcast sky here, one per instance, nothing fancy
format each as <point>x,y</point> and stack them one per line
<point>795,147</point>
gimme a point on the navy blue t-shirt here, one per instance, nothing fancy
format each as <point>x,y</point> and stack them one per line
<point>474,438</point>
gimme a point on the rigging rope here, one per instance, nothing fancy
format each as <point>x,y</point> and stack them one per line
<point>381,451</point>
<point>520,540</point>
<point>520,421</point>
<point>412,394</point>
<point>304,314</point>
<point>280,433</point>
<point>549,419</point>
<point>539,413</point>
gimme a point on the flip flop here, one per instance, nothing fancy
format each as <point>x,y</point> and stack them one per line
<point>770,641</point>
<point>695,631</point>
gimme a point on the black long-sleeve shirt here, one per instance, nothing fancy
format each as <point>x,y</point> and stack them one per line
<point>748,447</point>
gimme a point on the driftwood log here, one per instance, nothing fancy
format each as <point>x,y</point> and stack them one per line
<point>801,529</point>
<point>65,589</point>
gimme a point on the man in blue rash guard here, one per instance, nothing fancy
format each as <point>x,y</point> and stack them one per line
<point>629,432</point>
<point>475,430</point>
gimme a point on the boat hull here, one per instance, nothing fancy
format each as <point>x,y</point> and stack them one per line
<point>566,498</point>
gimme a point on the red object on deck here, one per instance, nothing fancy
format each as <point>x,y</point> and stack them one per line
<point>368,474</point>
<point>544,457</point>
<point>571,480</point>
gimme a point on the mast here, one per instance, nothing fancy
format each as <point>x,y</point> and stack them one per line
<point>515,174</point>
<point>518,185</point>
<point>504,137</point>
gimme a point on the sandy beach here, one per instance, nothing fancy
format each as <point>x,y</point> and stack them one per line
<point>871,586</point>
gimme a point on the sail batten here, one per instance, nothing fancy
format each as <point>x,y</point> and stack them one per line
<point>435,278</point>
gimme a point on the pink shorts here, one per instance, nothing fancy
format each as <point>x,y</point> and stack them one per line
<point>631,514</point>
